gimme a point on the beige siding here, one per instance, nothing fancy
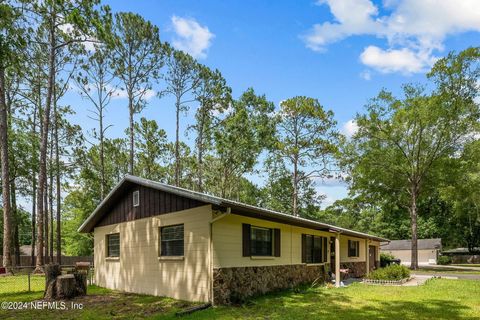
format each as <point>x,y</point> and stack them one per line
<point>140,270</point>
<point>227,243</point>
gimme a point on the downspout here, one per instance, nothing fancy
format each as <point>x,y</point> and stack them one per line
<point>223,215</point>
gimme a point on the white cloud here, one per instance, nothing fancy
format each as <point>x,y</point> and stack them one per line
<point>191,37</point>
<point>414,29</point>
<point>119,93</point>
<point>349,128</point>
<point>402,60</point>
<point>366,75</point>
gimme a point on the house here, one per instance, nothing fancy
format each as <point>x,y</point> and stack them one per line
<point>157,239</point>
<point>428,250</point>
<point>463,255</point>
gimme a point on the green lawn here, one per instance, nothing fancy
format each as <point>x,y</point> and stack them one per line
<point>437,299</point>
<point>19,283</point>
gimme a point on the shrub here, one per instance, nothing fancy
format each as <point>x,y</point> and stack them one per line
<point>392,272</point>
<point>444,260</point>
<point>385,259</point>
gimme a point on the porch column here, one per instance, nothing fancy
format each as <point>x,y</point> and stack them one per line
<point>367,256</point>
<point>337,260</point>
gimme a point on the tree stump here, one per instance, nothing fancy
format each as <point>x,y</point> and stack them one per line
<point>52,271</point>
<point>66,286</point>
<point>80,283</point>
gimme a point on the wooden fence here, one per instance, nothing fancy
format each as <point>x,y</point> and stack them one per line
<point>26,261</point>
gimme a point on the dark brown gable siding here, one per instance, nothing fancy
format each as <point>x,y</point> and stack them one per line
<point>152,203</point>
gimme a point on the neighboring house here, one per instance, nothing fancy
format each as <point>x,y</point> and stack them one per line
<point>463,255</point>
<point>428,250</point>
<point>157,239</point>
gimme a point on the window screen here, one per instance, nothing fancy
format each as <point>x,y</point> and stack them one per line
<point>314,249</point>
<point>113,245</point>
<point>353,248</point>
<point>261,241</point>
<point>172,240</point>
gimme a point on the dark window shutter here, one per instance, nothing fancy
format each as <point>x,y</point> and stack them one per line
<point>325,249</point>
<point>276,242</point>
<point>246,229</point>
<point>349,248</point>
<point>304,248</point>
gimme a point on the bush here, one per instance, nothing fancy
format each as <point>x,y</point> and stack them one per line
<point>392,272</point>
<point>385,259</point>
<point>444,260</point>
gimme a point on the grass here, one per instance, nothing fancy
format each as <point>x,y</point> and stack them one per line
<point>437,299</point>
<point>19,283</point>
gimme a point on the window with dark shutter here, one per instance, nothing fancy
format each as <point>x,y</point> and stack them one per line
<point>314,249</point>
<point>261,241</point>
<point>113,245</point>
<point>172,242</point>
<point>353,248</point>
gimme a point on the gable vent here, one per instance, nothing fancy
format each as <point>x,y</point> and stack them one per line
<point>136,198</point>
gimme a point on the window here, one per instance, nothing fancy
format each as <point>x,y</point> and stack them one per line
<point>113,245</point>
<point>353,248</point>
<point>258,241</point>
<point>171,238</point>
<point>261,242</point>
<point>314,249</point>
<point>136,198</point>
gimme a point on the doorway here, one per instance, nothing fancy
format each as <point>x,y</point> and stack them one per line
<point>372,256</point>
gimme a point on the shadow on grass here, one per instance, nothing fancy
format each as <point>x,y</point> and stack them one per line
<point>336,304</point>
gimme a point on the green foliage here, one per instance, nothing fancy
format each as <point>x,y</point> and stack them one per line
<point>151,144</point>
<point>385,258</point>
<point>444,260</point>
<point>391,272</point>
<point>305,141</point>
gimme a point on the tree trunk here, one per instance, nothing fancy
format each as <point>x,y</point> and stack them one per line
<point>177,144</point>
<point>34,212</point>
<point>16,220</point>
<point>413,218</point>
<point>201,126</point>
<point>42,172</point>
<point>7,214</point>
<point>102,156</point>
<point>132,141</point>
<point>295,189</point>
<point>50,200</point>
<point>58,190</point>
<point>45,222</point>
<point>34,189</point>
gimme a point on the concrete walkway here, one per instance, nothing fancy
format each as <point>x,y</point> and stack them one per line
<point>447,275</point>
<point>417,280</point>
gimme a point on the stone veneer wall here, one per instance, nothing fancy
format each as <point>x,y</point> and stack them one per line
<point>357,269</point>
<point>239,283</point>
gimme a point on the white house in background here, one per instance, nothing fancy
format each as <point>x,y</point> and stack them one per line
<point>428,250</point>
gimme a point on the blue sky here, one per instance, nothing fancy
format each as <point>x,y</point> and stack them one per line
<point>341,52</point>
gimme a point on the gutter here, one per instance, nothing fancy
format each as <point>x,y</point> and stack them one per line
<point>223,215</point>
